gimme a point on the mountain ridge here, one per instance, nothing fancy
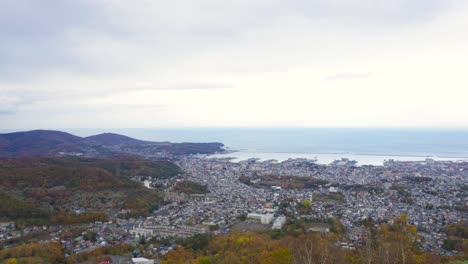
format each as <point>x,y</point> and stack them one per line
<point>47,143</point>
<point>112,139</point>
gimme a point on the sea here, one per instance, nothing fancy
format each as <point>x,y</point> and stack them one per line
<point>367,146</point>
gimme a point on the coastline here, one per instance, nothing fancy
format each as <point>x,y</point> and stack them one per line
<point>327,158</point>
<point>231,150</point>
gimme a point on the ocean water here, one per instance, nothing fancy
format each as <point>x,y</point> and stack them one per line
<point>367,146</point>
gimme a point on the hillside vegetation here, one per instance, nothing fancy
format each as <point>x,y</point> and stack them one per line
<point>388,243</point>
<point>33,253</point>
<point>191,187</point>
<point>43,187</point>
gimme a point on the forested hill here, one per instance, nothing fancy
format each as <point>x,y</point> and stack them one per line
<point>45,189</point>
<point>56,143</point>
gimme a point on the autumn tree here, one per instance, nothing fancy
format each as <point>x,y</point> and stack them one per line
<point>179,255</point>
<point>393,243</point>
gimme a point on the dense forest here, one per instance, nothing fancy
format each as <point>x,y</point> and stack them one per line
<point>15,209</point>
<point>36,190</point>
<point>33,253</point>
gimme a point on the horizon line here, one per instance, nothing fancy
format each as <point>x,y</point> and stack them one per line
<point>239,127</point>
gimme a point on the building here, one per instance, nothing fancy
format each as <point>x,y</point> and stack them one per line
<point>264,218</point>
<point>279,222</point>
<point>4,226</point>
<point>167,231</point>
<point>141,231</point>
<point>319,228</point>
<point>142,261</point>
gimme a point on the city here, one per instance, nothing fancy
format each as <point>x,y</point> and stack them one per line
<point>240,196</point>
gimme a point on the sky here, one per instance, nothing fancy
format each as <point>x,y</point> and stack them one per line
<point>243,63</point>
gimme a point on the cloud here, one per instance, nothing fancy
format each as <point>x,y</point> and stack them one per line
<point>104,38</point>
<point>28,94</point>
<point>95,97</point>
<point>216,62</point>
<point>380,14</point>
<point>8,104</point>
<point>348,76</point>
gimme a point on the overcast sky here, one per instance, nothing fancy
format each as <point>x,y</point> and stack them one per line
<point>243,63</point>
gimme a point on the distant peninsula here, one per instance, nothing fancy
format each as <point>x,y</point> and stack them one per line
<point>51,143</point>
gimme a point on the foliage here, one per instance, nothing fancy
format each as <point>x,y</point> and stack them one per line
<point>331,197</point>
<point>92,184</point>
<point>276,234</point>
<point>51,143</point>
<point>142,240</point>
<point>457,237</point>
<point>394,242</point>
<point>83,174</point>
<point>316,248</point>
<point>100,253</point>
<point>141,201</point>
<point>196,242</point>
<point>191,187</point>
<point>307,203</point>
<point>16,209</point>
<point>459,229</point>
<point>33,253</point>
<point>391,243</point>
<point>305,207</point>
<point>247,248</point>
<point>180,255</point>
<point>68,219</point>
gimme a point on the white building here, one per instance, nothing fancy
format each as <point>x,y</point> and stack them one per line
<point>4,226</point>
<point>142,261</point>
<point>264,218</point>
<point>140,231</point>
<point>167,231</point>
<point>279,222</point>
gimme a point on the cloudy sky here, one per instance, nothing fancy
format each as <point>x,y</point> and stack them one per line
<point>243,63</point>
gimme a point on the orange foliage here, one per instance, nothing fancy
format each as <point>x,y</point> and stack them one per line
<point>179,255</point>
<point>99,253</point>
<point>391,244</point>
<point>33,253</point>
<point>68,219</point>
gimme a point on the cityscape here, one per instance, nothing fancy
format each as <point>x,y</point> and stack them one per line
<point>256,196</point>
<point>233,132</point>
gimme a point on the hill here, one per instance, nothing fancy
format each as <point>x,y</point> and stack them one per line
<point>49,143</point>
<point>111,139</point>
<point>37,143</point>
<point>66,185</point>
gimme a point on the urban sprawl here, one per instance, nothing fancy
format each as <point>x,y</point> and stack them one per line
<point>263,195</point>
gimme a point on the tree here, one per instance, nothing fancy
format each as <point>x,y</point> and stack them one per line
<point>307,203</point>
<point>143,240</point>
<point>178,256</point>
<point>214,227</point>
<point>315,248</point>
<point>11,261</point>
<point>305,207</point>
<point>395,243</point>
